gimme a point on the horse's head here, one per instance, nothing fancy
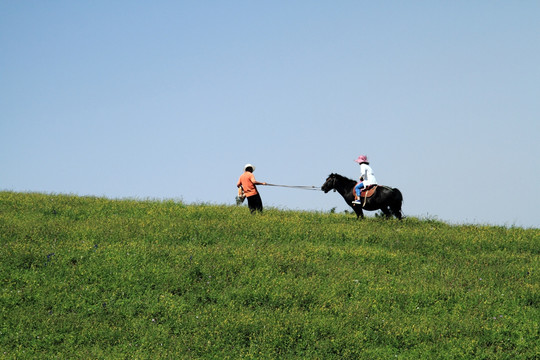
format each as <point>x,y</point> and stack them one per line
<point>329,184</point>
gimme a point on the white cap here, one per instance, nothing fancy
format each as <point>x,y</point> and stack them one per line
<point>249,165</point>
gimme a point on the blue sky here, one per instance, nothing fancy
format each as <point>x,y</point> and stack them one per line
<point>169,100</point>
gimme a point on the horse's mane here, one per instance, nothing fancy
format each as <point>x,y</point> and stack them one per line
<point>340,177</point>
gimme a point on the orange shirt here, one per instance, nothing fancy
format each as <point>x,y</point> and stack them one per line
<point>247,181</point>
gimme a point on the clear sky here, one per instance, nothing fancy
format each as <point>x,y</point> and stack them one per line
<point>169,100</point>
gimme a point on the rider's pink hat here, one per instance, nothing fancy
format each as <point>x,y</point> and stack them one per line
<point>362,159</point>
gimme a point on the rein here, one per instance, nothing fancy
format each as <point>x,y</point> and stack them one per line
<point>302,187</point>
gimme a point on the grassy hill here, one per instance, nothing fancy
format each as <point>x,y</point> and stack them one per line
<point>86,277</point>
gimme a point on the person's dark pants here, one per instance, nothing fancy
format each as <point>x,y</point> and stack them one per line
<point>255,203</point>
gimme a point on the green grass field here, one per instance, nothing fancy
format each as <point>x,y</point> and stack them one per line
<point>93,278</point>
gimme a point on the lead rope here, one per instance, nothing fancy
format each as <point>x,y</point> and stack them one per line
<point>302,187</point>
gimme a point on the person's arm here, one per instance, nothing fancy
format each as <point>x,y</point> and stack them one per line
<point>255,182</point>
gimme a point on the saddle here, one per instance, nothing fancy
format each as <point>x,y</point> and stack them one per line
<point>368,191</point>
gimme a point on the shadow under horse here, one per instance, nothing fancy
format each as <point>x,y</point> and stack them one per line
<point>386,199</point>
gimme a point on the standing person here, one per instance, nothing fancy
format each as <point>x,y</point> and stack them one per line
<point>367,178</point>
<point>248,183</point>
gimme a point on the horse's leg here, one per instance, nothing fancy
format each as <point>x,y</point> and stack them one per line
<point>395,208</point>
<point>397,213</point>
<point>386,212</point>
<point>359,212</point>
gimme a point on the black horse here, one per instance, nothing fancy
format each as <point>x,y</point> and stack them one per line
<point>387,199</point>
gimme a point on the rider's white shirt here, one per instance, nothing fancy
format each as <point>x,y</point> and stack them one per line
<point>367,173</point>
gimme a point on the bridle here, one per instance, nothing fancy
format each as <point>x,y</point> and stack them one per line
<point>331,182</point>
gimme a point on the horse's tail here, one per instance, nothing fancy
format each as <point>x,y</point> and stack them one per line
<point>399,197</point>
<point>397,203</point>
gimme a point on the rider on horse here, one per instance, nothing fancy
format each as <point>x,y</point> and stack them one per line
<point>367,178</point>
